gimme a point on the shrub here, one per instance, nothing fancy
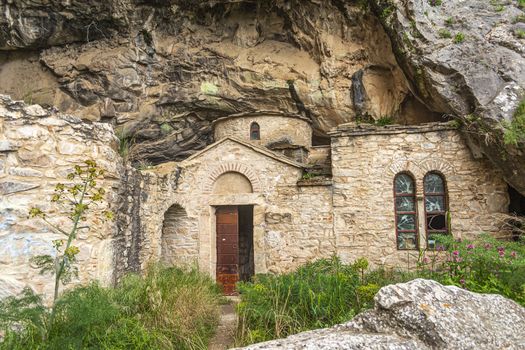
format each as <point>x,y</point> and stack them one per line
<point>168,308</point>
<point>459,38</point>
<point>484,265</point>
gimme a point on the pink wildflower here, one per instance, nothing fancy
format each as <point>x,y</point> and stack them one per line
<point>501,253</point>
<point>513,254</point>
<point>462,281</point>
<point>470,246</point>
<point>488,246</point>
<point>455,253</point>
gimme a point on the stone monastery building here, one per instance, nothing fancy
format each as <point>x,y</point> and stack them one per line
<point>261,199</point>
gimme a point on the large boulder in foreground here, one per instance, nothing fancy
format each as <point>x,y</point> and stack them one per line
<point>421,314</point>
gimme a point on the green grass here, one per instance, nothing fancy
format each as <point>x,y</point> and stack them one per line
<point>166,309</point>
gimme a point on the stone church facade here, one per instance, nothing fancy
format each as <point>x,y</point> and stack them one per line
<point>386,192</point>
<point>260,199</point>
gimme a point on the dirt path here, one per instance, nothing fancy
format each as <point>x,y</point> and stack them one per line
<point>224,337</point>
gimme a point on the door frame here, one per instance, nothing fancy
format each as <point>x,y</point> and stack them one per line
<point>208,234</point>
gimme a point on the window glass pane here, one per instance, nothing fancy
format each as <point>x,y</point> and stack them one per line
<point>434,203</point>
<point>404,184</point>
<point>406,240</point>
<point>405,204</point>
<point>434,184</point>
<point>406,222</point>
<point>436,222</point>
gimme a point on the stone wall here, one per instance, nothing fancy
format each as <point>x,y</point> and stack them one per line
<point>38,148</point>
<point>274,127</point>
<point>365,161</point>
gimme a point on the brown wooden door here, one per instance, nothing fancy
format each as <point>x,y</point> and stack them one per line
<point>227,248</point>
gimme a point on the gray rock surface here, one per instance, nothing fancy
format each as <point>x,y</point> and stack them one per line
<point>421,314</point>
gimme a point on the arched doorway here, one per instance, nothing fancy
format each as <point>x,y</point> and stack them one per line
<point>179,242</point>
<point>234,230</point>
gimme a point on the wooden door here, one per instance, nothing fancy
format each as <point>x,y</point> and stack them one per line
<point>227,248</point>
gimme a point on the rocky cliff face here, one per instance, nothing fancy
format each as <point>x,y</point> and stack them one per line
<point>163,70</point>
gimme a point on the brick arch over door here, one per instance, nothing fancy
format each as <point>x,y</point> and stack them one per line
<point>232,167</point>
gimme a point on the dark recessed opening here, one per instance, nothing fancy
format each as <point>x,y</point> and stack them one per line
<point>246,262</point>
<point>517,207</point>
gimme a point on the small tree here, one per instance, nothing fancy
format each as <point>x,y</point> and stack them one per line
<point>76,200</point>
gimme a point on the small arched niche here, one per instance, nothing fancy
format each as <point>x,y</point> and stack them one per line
<point>179,241</point>
<point>231,183</point>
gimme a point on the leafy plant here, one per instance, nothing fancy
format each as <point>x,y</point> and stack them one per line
<point>449,21</point>
<point>484,265</point>
<point>459,38</point>
<point>435,2</point>
<point>520,33</point>
<point>76,199</point>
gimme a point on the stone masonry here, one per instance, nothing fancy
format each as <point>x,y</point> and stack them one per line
<point>38,148</point>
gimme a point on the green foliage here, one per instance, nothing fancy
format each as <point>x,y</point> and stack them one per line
<point>308,176</point>
<point>444,33</point>
<point>384,120</point>
<point>520,33</point>
<point>168,308</point>
<point>449,21</point>
<point>327,292</point>
<point>318,294</point>
<point>484,265</point>
<point>435,2</point>
<point>521,4</point>
<point>459,38</point>
<point>514,133</point>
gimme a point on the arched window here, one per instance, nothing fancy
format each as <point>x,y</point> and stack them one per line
<point>436,206</point>
<point>406,212</point>
<point>255,131</point>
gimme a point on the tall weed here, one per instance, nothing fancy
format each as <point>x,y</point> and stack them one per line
<point>168,308</point>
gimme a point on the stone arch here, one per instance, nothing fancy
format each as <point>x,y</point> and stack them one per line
<point>437,165</point>
<point>232,167</point>
<point>232,183</point>
<point>403,165</point>
<point>179,238</point>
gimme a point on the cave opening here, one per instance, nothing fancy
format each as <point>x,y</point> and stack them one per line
<point>517,209</point>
